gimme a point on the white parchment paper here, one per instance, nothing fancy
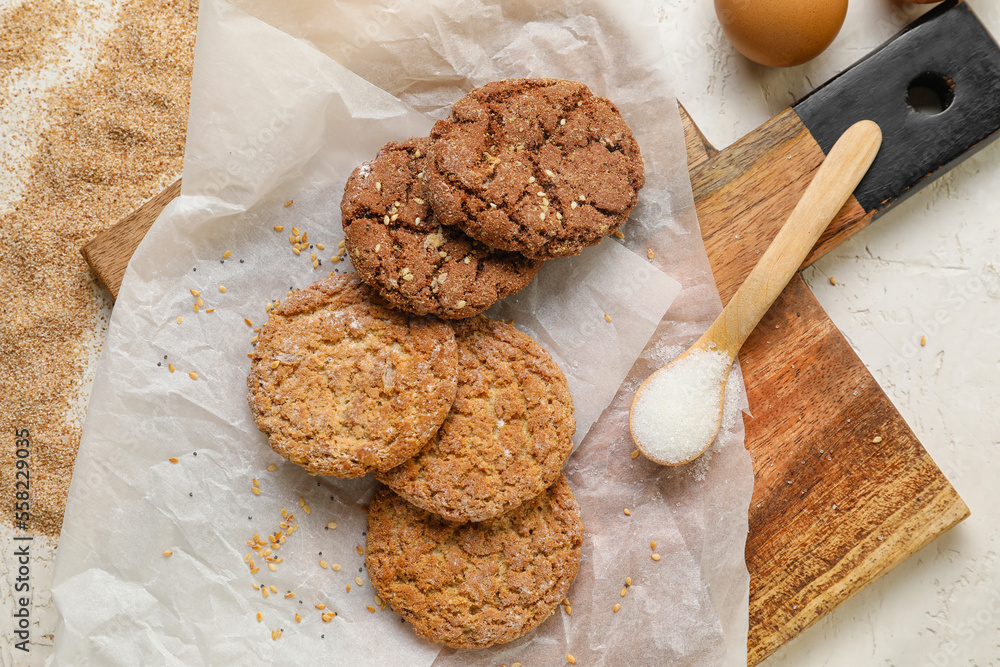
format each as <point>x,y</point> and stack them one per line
<point>287,99</point>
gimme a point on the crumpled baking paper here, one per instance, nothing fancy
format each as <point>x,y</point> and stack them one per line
<point>287,99</point>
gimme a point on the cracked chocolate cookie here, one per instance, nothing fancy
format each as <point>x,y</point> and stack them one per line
<point>507,435</point>
<point>343,383</point>
<point>398,247</point>
<point>537,166</point>
<point>476,584</point>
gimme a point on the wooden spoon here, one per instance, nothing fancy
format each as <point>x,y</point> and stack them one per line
<point>676,413</point>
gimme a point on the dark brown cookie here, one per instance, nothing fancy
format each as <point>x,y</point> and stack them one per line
<point>508,433</point>
<point>537,166</point>
<point>398,247</point>
<point>476,584</point>
<point>344,384</point>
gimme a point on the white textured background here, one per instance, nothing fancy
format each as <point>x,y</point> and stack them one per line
<point>937,255</point>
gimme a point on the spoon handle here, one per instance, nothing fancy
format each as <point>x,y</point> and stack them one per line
<point>835,180</point>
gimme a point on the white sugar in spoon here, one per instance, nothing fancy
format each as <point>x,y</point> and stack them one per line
<point>676,413</point>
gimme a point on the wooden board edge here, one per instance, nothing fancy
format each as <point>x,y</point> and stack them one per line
<point>109,252</point>
<point>954,512</point>
<point>698,147</point>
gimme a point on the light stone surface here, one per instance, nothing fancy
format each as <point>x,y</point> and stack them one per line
<point>930,267</point>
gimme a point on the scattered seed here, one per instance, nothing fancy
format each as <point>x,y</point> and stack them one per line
<point>193,375</point>
<point>877,439</point>
<point>833,281</point>
<point>331,526</point>
<point>569,610</point>
<point>570,659</point>
<point>179,319</point>
<point>226,254</point>
<point>627,512</point>
<point>321,606</point>
<point>289,203</point>
<point>655,557</point>
<point>635,453</point>
<point>255,490</point>
<point>358,581</point>
<point>171,367</point>
<point>272,468</point>
<point>460,305</point>
<point>607,318</point>
<point>378,186</point>
<point>336,568</point>
<point>173,459</point>
<point>649,253</point>
<point>298,618</point>
<point>361,551</point>
<point>279,228</point>
<point>222,288</point>
<point>273,589</point>
<point>327,617</point>
<point>628,581</point>
<point>260,616</point>
<point>617,607</point>
<point>274,365</point>
<point>272,567</point>
<point>370,608</point>
<point>620,235</point>
<point>289,594</point>
<point>923,341</point>
<point>168,554</point>
<point>348,588</point>
<point>624,591</point>
<point>652,545</point>
<point>323,564</point>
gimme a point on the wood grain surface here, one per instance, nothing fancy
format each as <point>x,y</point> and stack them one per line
<point>108,253</point>
<point>832,510</point>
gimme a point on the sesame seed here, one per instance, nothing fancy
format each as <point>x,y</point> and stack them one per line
<point>199,302</point>
<point>569,610</point>
<point>619,235</point>
<point>627,512</point>
<point>289,203</point>
<point>179,319</point>
<point>274,365</point>
<point>247,322</point>
<point>272,567</point>
<point>655,557</point>
<point>226,254</point>
<point>255,490</point>
<point>628,581</point>
<point>195,292</point>
<point>624,591</point>
<point>336,568</point>
<point>222,288</point>
<point>540,193</point>
<point>321,606</point>
<point>378,246</point>
<point>327,617</point>
<point>649,253</point>
<point>298,618</point>
<point>531,179</point>
<point>923,341</point>
<point>370,608</point>
<point>260,616</point>
<point>460,305</point>
<point>322,564</point>
<point>254,570</point>
<point>331,526</point>
<point>418,200</point>
<point>877,439</point>
<point>572,204</point>
<point>273,589</point>
<point>358,581</point>
<point>562,121</point>
<point>617,607</point>
<point>296,232</point>
<point>570,659</point>
<point>289,594</point>
<point>652,545</point>
<point>193,375</point>
<point>168,554</point>
<point>378,186</point>
<point>210,310</point>
<point>833,281</point>
<point>279,228</point>
<point>348,588</point>
<point>635,453</point>
<point>296,251</point>
<point>174,459</point>
<point>607,317</point>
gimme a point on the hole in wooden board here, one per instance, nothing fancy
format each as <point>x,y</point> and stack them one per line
<point>930,93</point>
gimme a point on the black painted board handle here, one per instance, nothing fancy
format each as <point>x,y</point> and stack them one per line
<point>946,53</point>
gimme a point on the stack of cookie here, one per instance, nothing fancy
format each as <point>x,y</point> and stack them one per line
<point>475,536</point>
<point>524,170</point>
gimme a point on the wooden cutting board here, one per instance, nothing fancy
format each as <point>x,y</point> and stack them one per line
<point>843,490</point>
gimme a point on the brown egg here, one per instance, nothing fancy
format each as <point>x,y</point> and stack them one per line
<point>781,33</point>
